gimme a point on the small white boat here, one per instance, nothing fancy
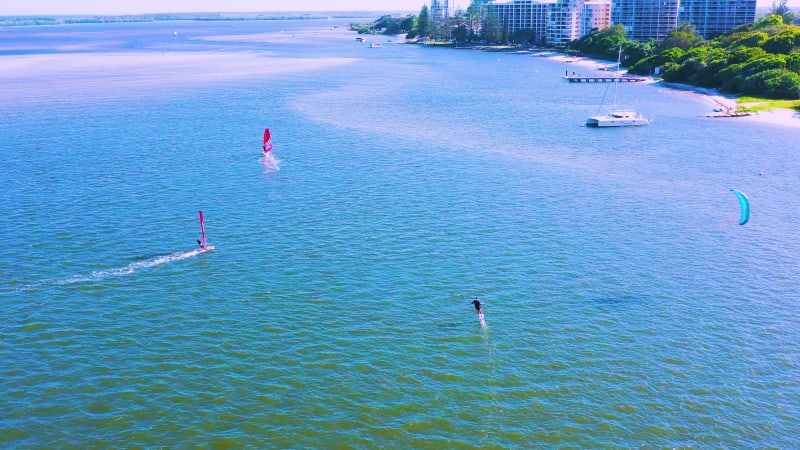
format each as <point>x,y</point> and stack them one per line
<point>618,118</point>
<point>375,45</point>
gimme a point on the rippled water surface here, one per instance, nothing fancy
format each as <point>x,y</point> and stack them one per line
<point>624,304</point>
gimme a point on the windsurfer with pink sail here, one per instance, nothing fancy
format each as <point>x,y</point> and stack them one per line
<point>202,241</point>
<point>267,141</point>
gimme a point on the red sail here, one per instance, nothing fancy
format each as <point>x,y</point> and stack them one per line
<point>267,141</point>
<point>203,241</point>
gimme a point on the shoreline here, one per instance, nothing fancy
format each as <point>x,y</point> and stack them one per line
<point>725,106</point>
<point>729,105</point>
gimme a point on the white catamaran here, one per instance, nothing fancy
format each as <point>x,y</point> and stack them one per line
<point>618,117</point>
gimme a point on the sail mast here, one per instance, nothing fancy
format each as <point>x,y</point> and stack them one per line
<point>203,241</point>
<point>619,61</point>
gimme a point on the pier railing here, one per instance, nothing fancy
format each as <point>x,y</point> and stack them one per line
<point>601,79</point>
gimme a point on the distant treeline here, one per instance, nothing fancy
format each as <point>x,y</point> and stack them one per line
<point>60,20</point>
<point>760,59</point>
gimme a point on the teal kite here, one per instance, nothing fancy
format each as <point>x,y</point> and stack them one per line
<point>745,204</point>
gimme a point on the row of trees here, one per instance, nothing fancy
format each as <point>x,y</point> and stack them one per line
<point>475,24</point>
<point>386,25</point>
<point>760,59</point>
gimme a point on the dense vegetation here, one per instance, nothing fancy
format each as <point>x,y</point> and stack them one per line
<point>473,25</point>
<point>760,59</point>
<point>386,25</point>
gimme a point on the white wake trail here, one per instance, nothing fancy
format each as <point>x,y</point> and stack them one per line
<point>118,271</point>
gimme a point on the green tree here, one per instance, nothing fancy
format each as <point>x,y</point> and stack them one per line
<point>361,28</point>
<point>745,54</point>
<point>768,21</point>
<point>793,61</point>
<point>730,77</point>
<point>746,39</point>
<point>716,60</point>
<point>461,34</point>
<point>768,62</point>
<point>608,41</point>
<point>408,23</point>
<point>635,51</point>
<point>424,22</point>
<point>668,60</point>
<point>779,8</point>
<point>389,24</point>
<point>460,25</point>
<point>775,83</point>
<point>684,36</point>
<point>524,37</point>
<point>490,29</point>
<point>784,42</point>
<point>476,12</point>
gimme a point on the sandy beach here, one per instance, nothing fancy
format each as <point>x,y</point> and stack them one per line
<point>725,105</point>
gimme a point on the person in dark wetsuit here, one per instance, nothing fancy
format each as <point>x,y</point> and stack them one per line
<point>199,242</point>
<point>477,304</point>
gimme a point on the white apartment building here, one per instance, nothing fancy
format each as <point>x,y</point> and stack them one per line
<point>645,19</point>
<point>518,15</point>
<point>561,21</point>
<point>716,17</point>
<point>595,15</point>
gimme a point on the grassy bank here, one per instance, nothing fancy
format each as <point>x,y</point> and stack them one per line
<point>756,104</point>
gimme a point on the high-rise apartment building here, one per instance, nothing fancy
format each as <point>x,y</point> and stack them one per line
<point>595,15</point>
<point>439,9</point>
<point>713,18</point>
<point>556,22</point>
<point>564,24</point>
<point>517,15</point>
<point>439,12</point>
<point>645,19</point>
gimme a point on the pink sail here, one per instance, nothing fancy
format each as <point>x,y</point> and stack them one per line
<point>203,240</point>
<point>267,141</point>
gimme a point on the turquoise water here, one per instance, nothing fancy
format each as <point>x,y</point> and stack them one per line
<point>624,304</point>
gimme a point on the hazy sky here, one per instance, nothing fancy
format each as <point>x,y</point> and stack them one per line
<point>51,7</point>
<point>27,7</point>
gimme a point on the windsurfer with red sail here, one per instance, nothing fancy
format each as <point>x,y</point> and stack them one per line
<point>267,141</point>
<point>202,241</point>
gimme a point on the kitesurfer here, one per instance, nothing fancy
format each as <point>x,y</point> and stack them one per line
<point>477,304</point>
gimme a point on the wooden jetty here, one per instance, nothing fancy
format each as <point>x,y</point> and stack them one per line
<point>601,79</point>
